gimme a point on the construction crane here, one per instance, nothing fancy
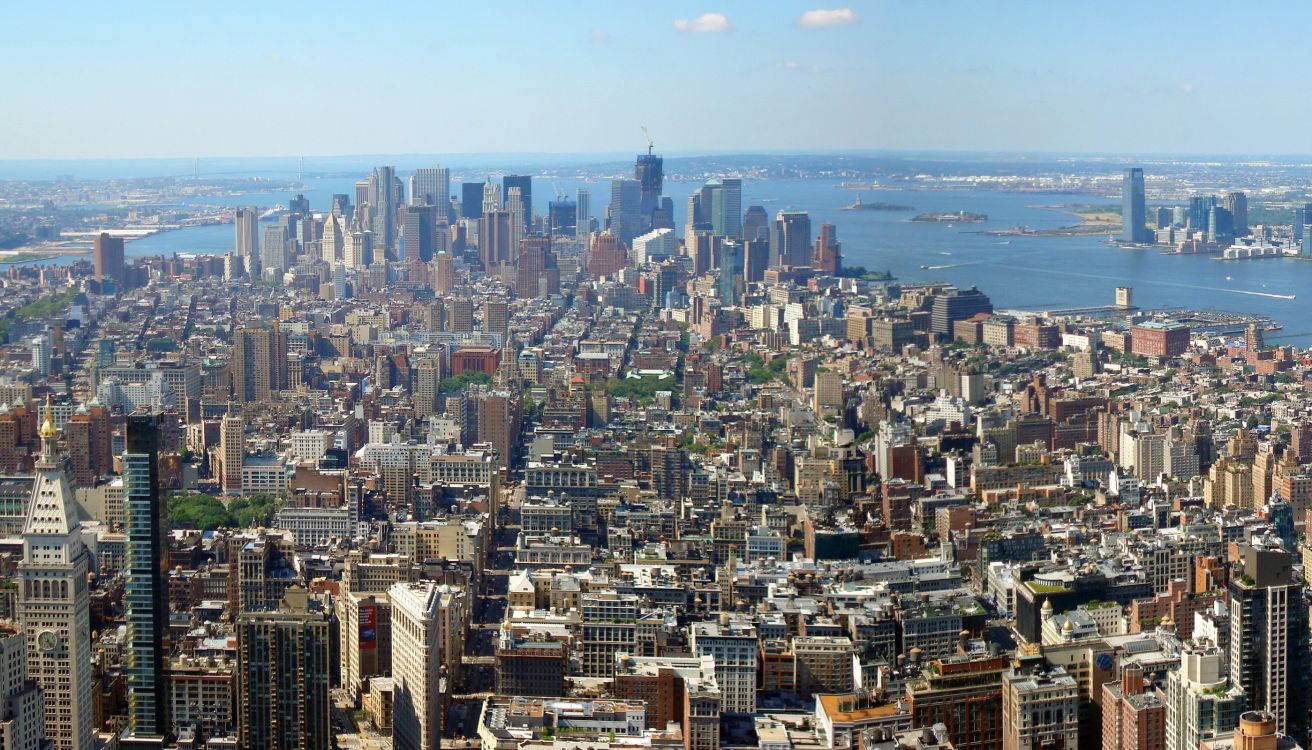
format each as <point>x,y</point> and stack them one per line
<point>650,144</point>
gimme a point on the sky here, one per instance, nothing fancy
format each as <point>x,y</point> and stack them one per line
<point>131,80</point>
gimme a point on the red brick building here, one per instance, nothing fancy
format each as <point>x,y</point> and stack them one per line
<point>1132,717</point>
<point>1153,339</point>
<point>1036,335</point>
<point>476,359</point>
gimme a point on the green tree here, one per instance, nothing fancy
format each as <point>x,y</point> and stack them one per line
<point>194,510</point>
<point>460,382</point>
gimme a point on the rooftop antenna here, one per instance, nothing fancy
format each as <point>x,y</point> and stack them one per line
<point>650,145</point>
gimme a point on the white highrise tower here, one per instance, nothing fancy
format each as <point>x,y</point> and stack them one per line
<point>331,244</point>
<point>431,187</point>
<point>54,604</point>
<point>515,205</point>
<point>491,197</point>
<point>41,354</point>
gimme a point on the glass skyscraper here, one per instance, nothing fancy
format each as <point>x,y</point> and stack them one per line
<point>649,171</point>
<point>731,272</point>
<point>1133,213</point>
<point>146,590</point>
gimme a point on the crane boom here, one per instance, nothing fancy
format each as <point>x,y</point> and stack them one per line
<point>650,144</point>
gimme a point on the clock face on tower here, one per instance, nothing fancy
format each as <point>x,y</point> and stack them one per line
<point>47,640</point>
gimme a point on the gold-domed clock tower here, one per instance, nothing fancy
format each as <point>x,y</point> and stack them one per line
<point>54,604</point>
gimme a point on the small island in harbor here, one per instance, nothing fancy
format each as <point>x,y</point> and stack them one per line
<point>857,205</point>
<point>965,217</point>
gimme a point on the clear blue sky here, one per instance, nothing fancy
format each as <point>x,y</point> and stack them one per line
<point>284,78</point>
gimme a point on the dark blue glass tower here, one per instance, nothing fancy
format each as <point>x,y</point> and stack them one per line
<point>1133,226</point>
<point>146,590</point>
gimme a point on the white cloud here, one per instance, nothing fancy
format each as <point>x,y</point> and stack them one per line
<point>706,23</point>
<point>598,36</point>
<point>821,18</point>
<point>1188,88</point>
<point>797,67</point>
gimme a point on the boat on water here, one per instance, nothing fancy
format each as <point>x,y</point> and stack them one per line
<point>278,210</point>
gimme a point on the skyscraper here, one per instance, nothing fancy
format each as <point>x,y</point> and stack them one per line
<point>107,254</point>
<point>417,232</point>
<point>525,184</point>
<point>730,279</point>
<point>495,314</point>
<point>428,376</point>
<point>725,207</point>
<point>494,239</point>
<point>583,218</point>
<point>259,363</point>
<point>1199,208</point>
<point>649,171</point>
<point>625,210</point>
<point>828,251</point>
<point>87,435</point>
<point>444,273</point>
<point>1133,212</point>
<point>532,266</point>
<point>756,224</point>
<point>1269,658</point>
<point>417,673</point>
<point>790,239</point>
<point>491,198</point>
<point>460,314</point>
<point>41,352</point>
<point>606,256</point>
<point>358,250</point>
<point>471,199</point>
<point>382,207</point>
<point>246,245</point>
<point>431,186</point>
<point>54,604</point>
<point>274,253</point>
<point>518,215</point>
<point>561,217</point>
<point>1200,701</point>
<point>756,259</point>
<point>283,670</point>
<point>232,449</point>
<point>146,592</point>
<point>1237,204</point>
<point>331,245</point>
